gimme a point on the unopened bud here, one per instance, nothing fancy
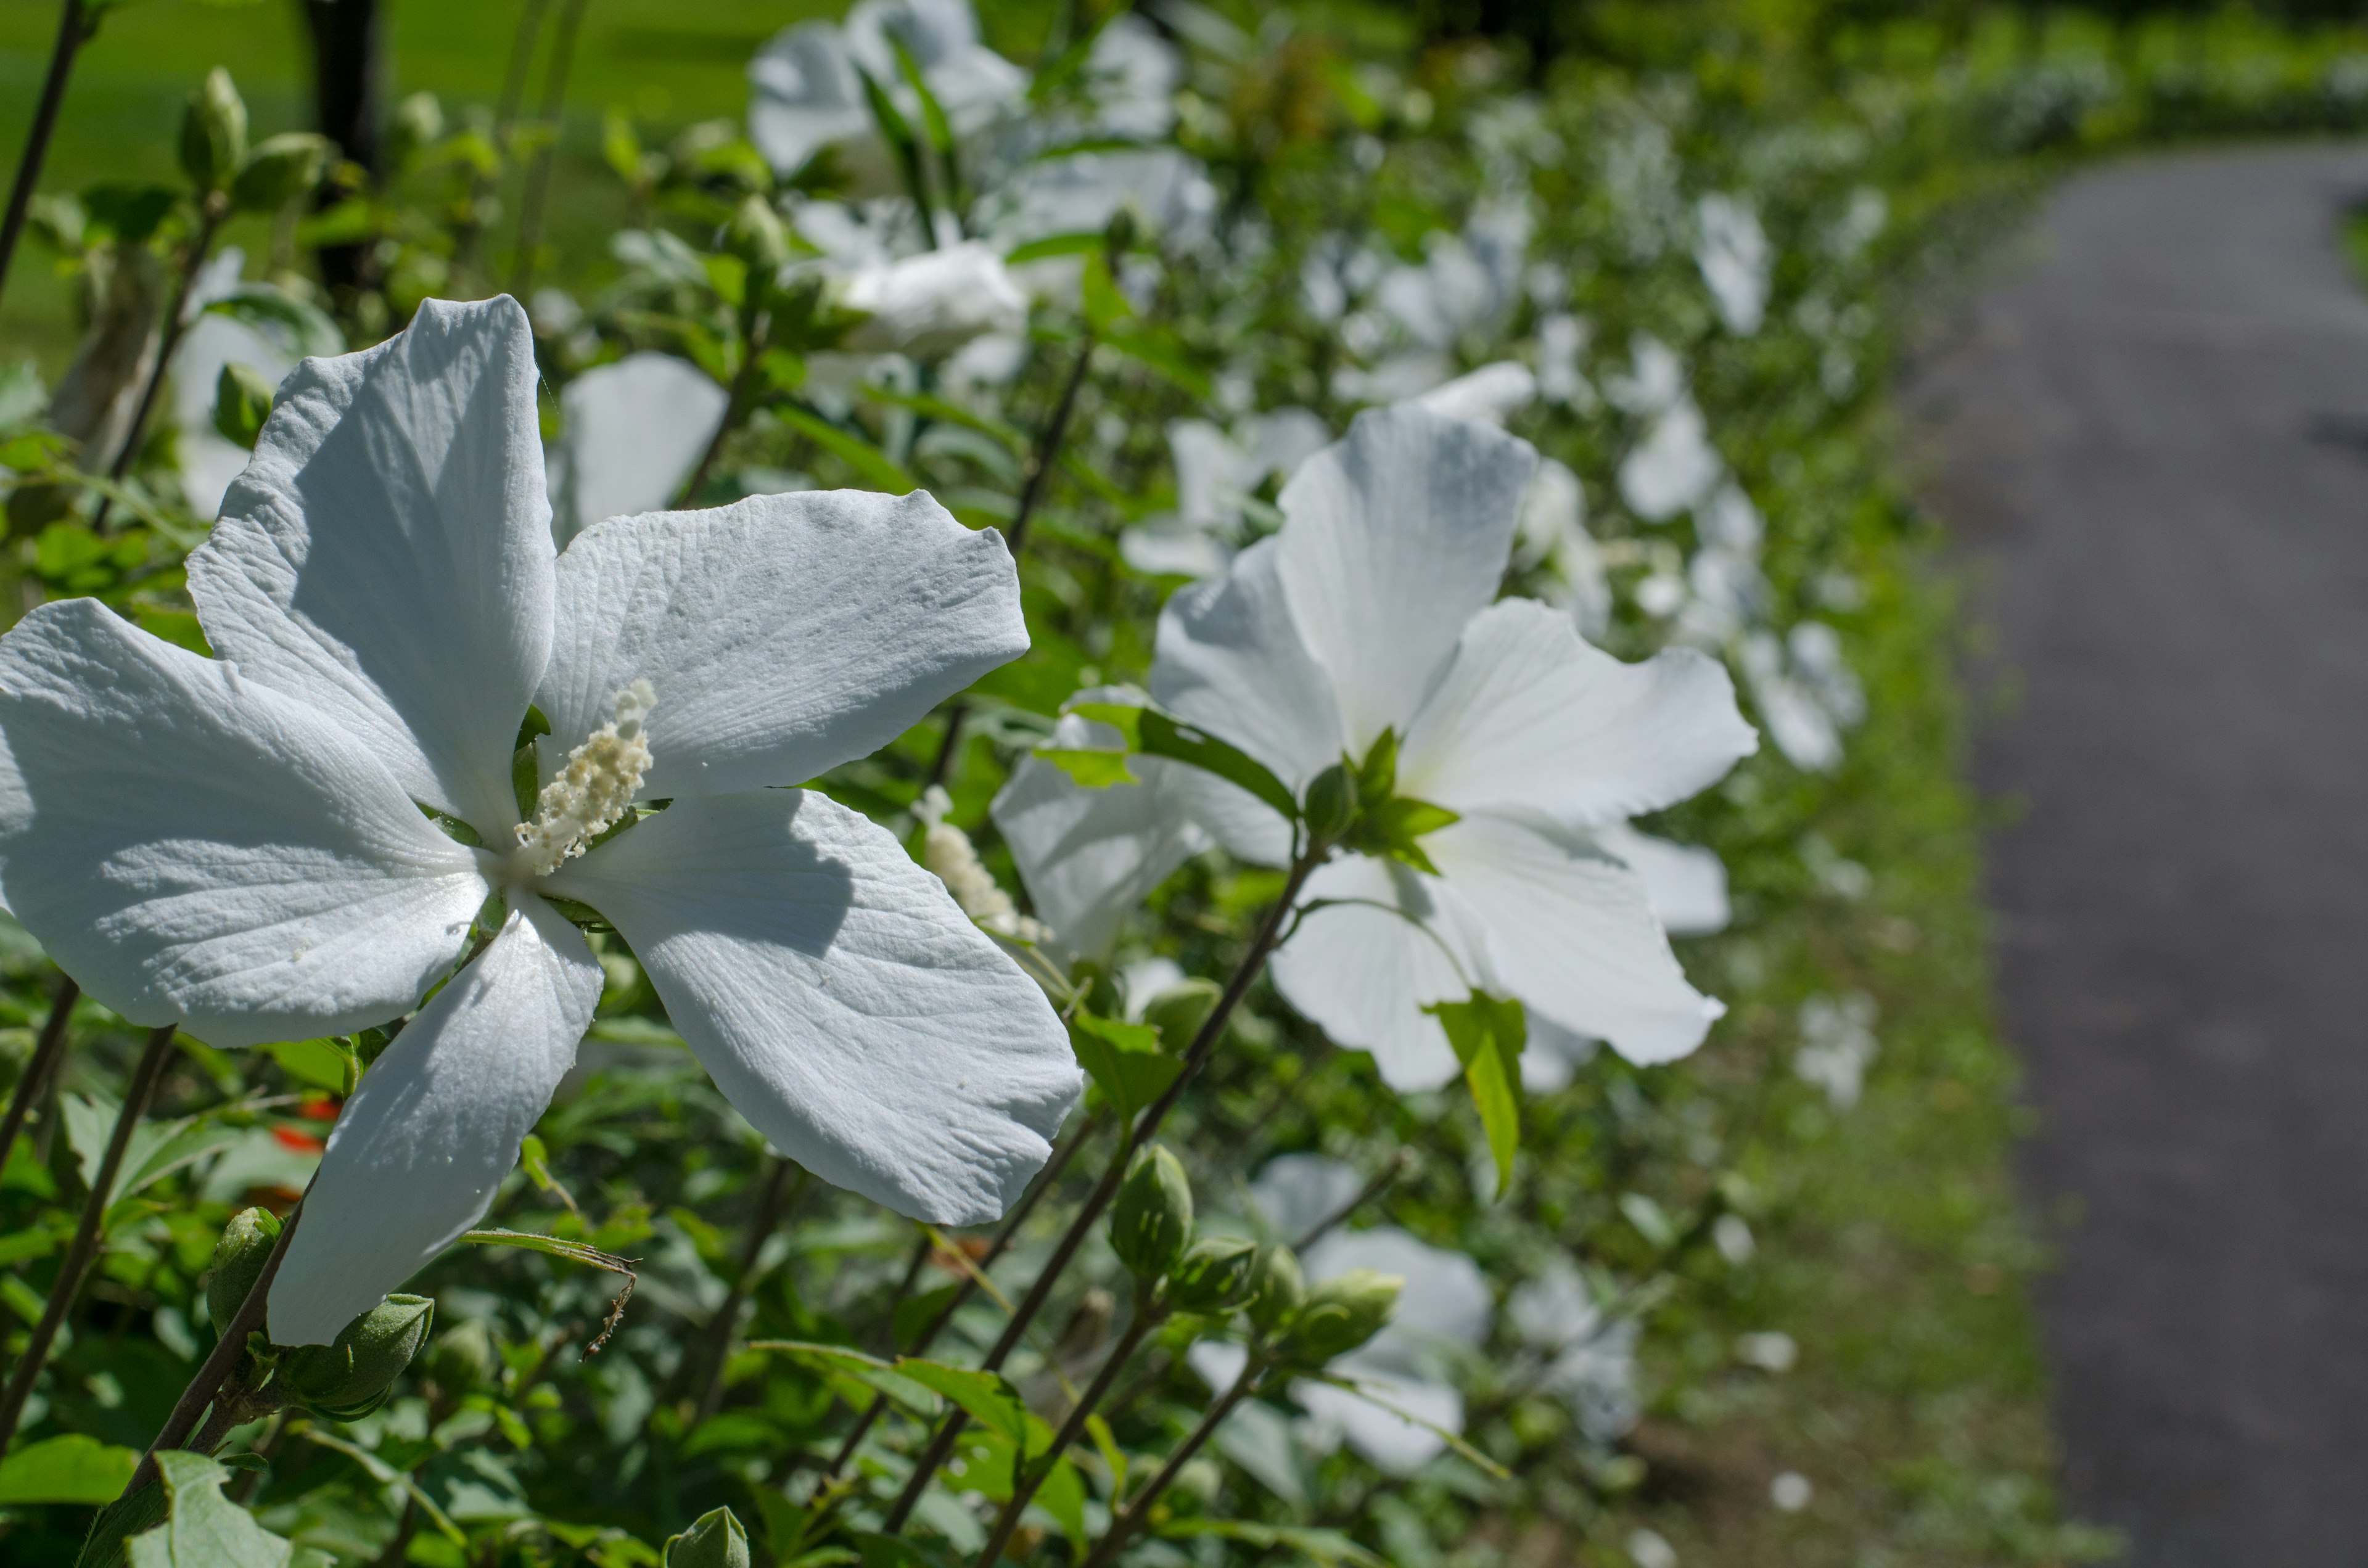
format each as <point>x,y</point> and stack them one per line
<point>213,132</point>
<point>1277,1289</point>
<point>242,403</point>
<point>757,236</point>
<point>281,169</point>
<point>464,1358</point>
<point>1212,1274</point>
<point>1152,1219</point>
<point>246,1243</point>
<point>715,1540</point>
<point>1179,1011</point>
<point>351,1377</point>
<point>1331,802</point>
<point>1343,1312</point>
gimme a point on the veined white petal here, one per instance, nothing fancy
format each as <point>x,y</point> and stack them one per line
<point>784,634</point>
<point>1685,885</point>
<point>387,556</point>
<point>191,846</point>
<point>1090,857</point>
<point>634,430</point>
<point>1230,658</point>
<point>421,1146</point>
<point>1529,716</point>
<point>1362,970</point>
<point>1396,538</point>
<point>839,998</point>
<point>1571,933</point>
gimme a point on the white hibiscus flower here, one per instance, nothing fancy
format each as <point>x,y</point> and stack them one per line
<point>1589,1359</point>
<point>633,431</point>
<point>1370,614</point>
<point>242,845</point>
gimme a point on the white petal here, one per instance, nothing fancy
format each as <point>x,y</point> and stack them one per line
<point>1090,856</point>
<point>1387,1438</point>
<point>1491,394</point>
<point>189,845</point>
<point>1230,659</point>
<point>211,341</point>
<point>1295,1193</point>
<point>840,999</point>
<point>1394,539</point>
<point>1362,970</point>
<point>804,97</point>
<point>1445,1300</point>
<point>785,634</point>
<point>1674,467</point>
<point>1685,885</point>
<point>1172,547</point>
<point>635,431</point>
<point>1530,716</point>
<point>1571,933</point>
<point>421,1148</point>
<point>387,556</point>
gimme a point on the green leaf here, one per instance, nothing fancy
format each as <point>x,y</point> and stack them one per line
<point>325,1065</point>
<point>1106,310</point>
<point>1148,730</point>
<point>1488,1034</point>
<point>1086,242</point>
<point>1090,769</point>
<point>893,1551</point>
<point>71,1469</point>
<point>1322,1546</point>
<point>876,467</point>
<point>988,1397</point>
<point>297,326</point>
<point>1163,354</point>
<point>1124,1062</point>
<point>204,1529</point>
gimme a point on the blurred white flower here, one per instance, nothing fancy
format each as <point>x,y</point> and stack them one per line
<point>1837,1045</point>
<point>1731,1234</point>
<point>1443,1309</point>
<point>1805,692</point>
<point>1133,73</point>
<point>239,846</point>
<point>1791,1491</point>
<point>1490,395</point>
<point>1590,1359</point>
<point>1562,338</point>
<point>1168,193</point>
<point>631,433</point>
<point>1861,223</point>
<point>213,340</point>
<point>1216,476</point>
<point>1770,1350</point>
<point>1733,252</point>
<point>1647,1550</point>
<point>1295,1193</point>
<point>1673,467</point>
<point>1552,534</point>
<point>933,303</point>
<point>1370,611</point>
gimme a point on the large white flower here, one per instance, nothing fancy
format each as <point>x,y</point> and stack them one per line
<point>932,303</point>
<point>633,431</point>
<point>1370,611</point>
<point>239,844</point>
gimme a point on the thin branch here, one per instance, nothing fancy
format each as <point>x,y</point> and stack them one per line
<point>211,210</point>
<point>1371,1190</point>
<point>74,31</point>
<point>1122,1528</point>
<point>735,407</point>
<point>1148,1315</point>
<point>83,1252</point>
<point>769,1208</point>
<point>46,1052</point>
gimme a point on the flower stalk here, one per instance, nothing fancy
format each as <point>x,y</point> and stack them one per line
<point>47,1050</point>
<point>1122,1528</point>
<point>84,1251</point>
<point>1204,1043</point>
<point>75,28</point>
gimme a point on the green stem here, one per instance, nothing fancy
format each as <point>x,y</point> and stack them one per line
<point>83,1252</point>
<point>769,1205</point>
<point>213,208</point>
<point>46,1052</point>
<point>1147,1317</point>
<point>1262,945</point>
<point>754,332</point>
<point>1122,1528</point>
<point>74,31</point>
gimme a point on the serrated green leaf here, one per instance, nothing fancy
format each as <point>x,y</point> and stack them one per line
<point>204,1529</point>
<point>1488,1034</point>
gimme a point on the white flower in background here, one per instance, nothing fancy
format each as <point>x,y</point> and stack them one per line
<point>1143,979</point>
<point>1674,466</point>
<point>950,856</point>
<point>807,91</point>
<point>1444,1311</point>
<point>1466,285</point>
<point>1169,192</point>
<point>1295,1193</point>
<point>1370,612</point>
<point>1552,536</point>
<point>1133,73</point>
<point>209,463</point>
<point>1729,593</point>
<point>1217,475</point>
<point>632,433</point>
<point>1733,252</point>
<point>1771,1351</point>
<point>933,303</point>
<point>1791,1491</point>
<point>1805,691</point>
<point>1561,339</point>
<point>1861,223</point>
<point>1490,395</point>
<point>1589,1359</point>
<point>1648,1548</point>
<point>1838,1045</point>
<point>239,844</point>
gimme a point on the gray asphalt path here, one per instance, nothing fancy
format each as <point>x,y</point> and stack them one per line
<point>2152,442</point>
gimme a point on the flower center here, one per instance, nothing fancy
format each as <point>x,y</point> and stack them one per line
<point>592,791</point>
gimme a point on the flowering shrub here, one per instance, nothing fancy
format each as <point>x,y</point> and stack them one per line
<point>941,873</point>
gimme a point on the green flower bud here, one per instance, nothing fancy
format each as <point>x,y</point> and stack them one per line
<point>1152,1219</point>
<point>1277,1289</point>
<point>1342,1313</point>
<point>1179,1011</point>
<point>418,124</point>
<point>348,1379</point>
<point>716,1540</point>
<point>281,169</point>
<point>213,133</point>
<point>242,403</point>
<point>1377,777</point>
<point>1212,1274</point>
<point>1331,802</point>
<point>246,1242</point>
<point>757,236</point>
<point>464,1358</point>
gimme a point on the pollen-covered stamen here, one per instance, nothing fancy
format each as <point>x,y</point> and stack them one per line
<point>592,791</point>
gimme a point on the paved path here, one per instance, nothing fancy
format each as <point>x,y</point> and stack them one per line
<point>2152,442</point>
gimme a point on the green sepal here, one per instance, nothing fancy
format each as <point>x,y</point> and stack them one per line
<point>1148,730</point>
<point>1488,1034</point>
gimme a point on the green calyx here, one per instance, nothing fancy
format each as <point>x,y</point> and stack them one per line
<point>714,1540</point>
<point>1151,1220</point>
<point>1355,806</point>
<point>239,1256</point>
<point>1276,1291</point>
<point>213,133</point>
<point>1211,1275</point>
<point>352,1376</point>
<point>1343,1312</point>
